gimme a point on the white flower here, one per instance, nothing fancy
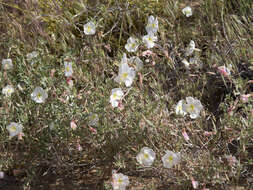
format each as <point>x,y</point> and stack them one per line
<point>32,55</point>
<point>146,156</point>
<point>126,74</point>
<point>14,129</point>
<point>51,126</point>
<point>187,11</point>
<point>186,63</point>
<point>119,181</point>
<point>7,64</point>
<point>68,68</point>
<point>137,62</point>
<point>89,28</point>
<point>152,25</point>
<point>39,95</point>
<point>179,108</point>
<point>115,97</point>
<point>149,40</point>
<point>193,107</point>
<point>8,90</point>
<point>170,159</point>
<point>190,49</point>
<point>93,119</point>
<point>132,44</point>
<point>1,175</point>
<point>197,62</point>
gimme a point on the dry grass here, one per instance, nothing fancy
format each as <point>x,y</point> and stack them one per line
<point>48,159</point>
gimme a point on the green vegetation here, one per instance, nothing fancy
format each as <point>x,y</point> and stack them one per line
<point>48,158</point>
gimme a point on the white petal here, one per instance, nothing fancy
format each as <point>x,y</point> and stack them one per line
<point>186,63</point>
<point>193,115</point>
<point>151,19</point>
<point>114,103</point>
<point>128,82</point>
<point>120,93</point>
<point>190,100</point>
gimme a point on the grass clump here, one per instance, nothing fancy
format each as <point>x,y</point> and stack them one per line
<point>62,148</point>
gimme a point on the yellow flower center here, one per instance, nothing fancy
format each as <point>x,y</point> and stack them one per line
<point>67,69</point>
<point>114,95</point>
<point>120,180</point>
<point>170,159</point>
<point>124,75</point>
<point>88,28</point>
<point>187,12</point>
<point>192,107</point>
<point>145,156</point>
<point>133,45</point>
<point>39,95</point>
<point>9,91</point>
<point>13,129</point>
<point>149,39</point>
<point>153,25</point>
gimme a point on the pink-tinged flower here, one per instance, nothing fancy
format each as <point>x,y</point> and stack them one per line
<point>231,160</point>
<point>245,98</point>
<point>108,47</point>
<point>207,133</point>
<point>119,181</point>
<point>93,130</point>
<point>79,147</point>
<point>70,82</point>
<point>225,71</point>
<point>20,136</point>
<point>195,184</point>
<point>73,125</point>
<point>147,53</point>
<point>185,135</point>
